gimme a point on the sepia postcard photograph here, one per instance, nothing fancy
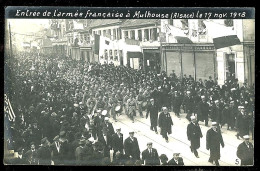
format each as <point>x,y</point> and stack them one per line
<point>129,87</point>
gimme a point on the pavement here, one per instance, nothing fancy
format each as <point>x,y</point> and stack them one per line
<point>178,141</point>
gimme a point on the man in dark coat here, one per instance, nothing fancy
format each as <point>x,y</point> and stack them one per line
<point>80,152</point>
<point>164,160</point>
<point>245,152</point>
<point>189,105</point>
<point>176,160</point>
<point>152,109</point>
<point>242,122</point>
<point>177,103</point>
<point>203,110</point>
<point>165,123</point>
<point>108,125</point>
<point>44,152</point>
<point>131,147</point>
<point>213,141</point>
<point>106,141</point>
<point>150,156</point>
<point>194,134</point>
<point>117,141</point>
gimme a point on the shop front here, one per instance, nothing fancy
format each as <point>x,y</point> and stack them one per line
<point>135,60</point>
<point>197,60</point>
<point>152,59</point>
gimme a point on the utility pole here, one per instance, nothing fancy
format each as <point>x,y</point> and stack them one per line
<point>10,37</point>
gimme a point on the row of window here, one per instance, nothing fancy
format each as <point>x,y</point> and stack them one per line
<point>112,54</point>
<point>116,34</point>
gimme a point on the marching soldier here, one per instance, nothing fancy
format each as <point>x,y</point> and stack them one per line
<point>131,107</point>
<point>189,105</point>
<point>194,134</point>
<point>213,141</point>
<point>245,152</point>
<point>139,100</point>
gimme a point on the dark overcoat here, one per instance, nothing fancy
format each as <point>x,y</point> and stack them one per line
<point>165,123</point>
<point>153,111</point>
<point>132,148</point>
<point>245,154</point>
<point>213,141</point>
<point>194,134</point>
<point>150,159</point>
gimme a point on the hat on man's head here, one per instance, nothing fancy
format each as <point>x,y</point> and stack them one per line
<point>32,143</point>
<point>164,108</point>
<point>56,138</point>
<point>44,140</point>
<point>214,123</point>
<point>240,107</point>
<point>62,133</point>
<point>246,137</point>
<point>149,143</point>
<point>202,97</point>
<point>82,141</point>
<point>151,99</point>
<point>192,117</point>
<point>106,118</point>
<point>131,132</point>
<point>76,105</point>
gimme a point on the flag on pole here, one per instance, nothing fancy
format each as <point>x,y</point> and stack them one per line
<point>97,42</point>
<point>221,35</point>
<point>8,110</point>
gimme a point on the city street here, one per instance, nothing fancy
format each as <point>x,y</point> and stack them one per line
<point>178,141</point>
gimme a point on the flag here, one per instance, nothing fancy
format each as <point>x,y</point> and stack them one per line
<point>221,35</point>
<point>178,35</point>
<point>8,110</point>
<point>97,43</point>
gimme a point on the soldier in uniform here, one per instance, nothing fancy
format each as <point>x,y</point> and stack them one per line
<point>139,100</point>
<point>165,123</point>
<point>194,134</point>
<point>152,109</point>
<point>213,141</point>
<point>177,103</point>
<point>150,156</point>
<point>31,155</point>
<point>131,147</point>
<point>245,152</point>
<point>131,107</point>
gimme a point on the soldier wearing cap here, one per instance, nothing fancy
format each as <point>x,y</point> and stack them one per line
<point>150,156</point>
<point>152,109</point>
<point>216,112</point>
<point>245,152</point>
<point>176,160</point>
<point>232,115</point>
<point>131,107</point>
<point>177,102</point>
<point>213,141</point>
<point>194,134</point>
<point>165,123</point>
<point>131,147</point>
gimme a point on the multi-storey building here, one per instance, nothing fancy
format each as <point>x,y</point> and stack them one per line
<point>190,48</point>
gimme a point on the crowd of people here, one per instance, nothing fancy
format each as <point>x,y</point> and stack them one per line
<point>63,107</point>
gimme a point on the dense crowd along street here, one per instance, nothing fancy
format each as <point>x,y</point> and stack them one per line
<point>74,113</point>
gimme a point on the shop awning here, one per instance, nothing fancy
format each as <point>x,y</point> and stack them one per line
<point>134,54</point>
<point>225,41</point>
<point>183,40</point>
